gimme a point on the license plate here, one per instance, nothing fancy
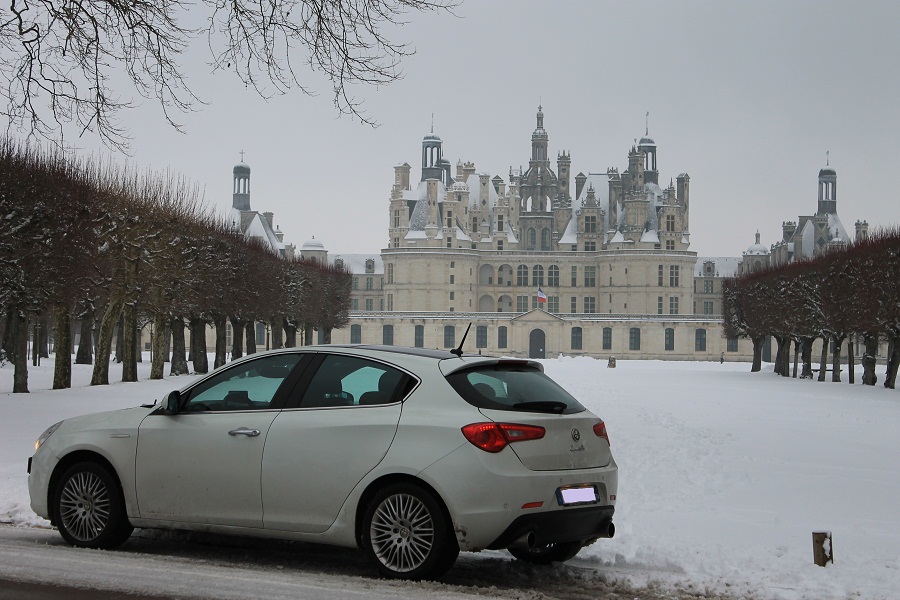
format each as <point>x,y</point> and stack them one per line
<point>576,494</point>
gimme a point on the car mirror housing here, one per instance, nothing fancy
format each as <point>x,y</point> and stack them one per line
<point>170,405</point>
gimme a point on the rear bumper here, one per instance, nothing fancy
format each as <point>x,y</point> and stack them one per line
<point>577,524</point>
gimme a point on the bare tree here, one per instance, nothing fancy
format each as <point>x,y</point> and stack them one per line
<point>59,60</point>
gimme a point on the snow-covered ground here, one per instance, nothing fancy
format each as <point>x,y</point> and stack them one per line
<point>724,474</point>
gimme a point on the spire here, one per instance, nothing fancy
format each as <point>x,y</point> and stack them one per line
<point>647,124</point>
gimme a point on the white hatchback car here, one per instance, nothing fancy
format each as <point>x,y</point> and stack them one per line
<point>410,454</point>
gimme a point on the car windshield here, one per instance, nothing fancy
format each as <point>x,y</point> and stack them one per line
<point>513,387</point>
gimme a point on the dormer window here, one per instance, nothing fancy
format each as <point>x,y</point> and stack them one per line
<point>370,265</point>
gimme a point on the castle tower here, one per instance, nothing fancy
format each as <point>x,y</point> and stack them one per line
<point>539,141</point>
<point>563,170</point>
<point>240,197</point>
<point>827,192</point>
<point>432,164</point>
<point>647,148</point>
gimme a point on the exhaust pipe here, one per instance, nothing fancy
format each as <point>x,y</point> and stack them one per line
<point>607,531</point>
<point>526,542</point>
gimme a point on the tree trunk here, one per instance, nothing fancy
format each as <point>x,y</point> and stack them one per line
<point>20,345</point>
<point>237,338</point>
<point>851,360</point>
<point>290,335</point>
<point>250,328</point>
<point>44,337</point>
<point>796,357</point>
<point>62,367</point>
<point>806,355</point>
<point>129,355</point>
<point>120,335</point>
<point>890,375</point>
<point>198,345</point>
<point>9,336</point>
<point>104,343</point>
<point>158,340</point>
<point>836,359</point>
<point>823,360</point>
<point>782,356</point>
<point>308,335</point>
<point>326,336</point>
<point>757,354</point>
<point>221,342</point>
<point>179,362</point>
<point>868,360</point>
<point>277,333</point>
<point>85,354</point>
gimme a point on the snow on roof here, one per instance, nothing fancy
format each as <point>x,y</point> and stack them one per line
<point>726,266</point>
<point>836,228</point>
<point>312,244</point>
<point>650,236</point>
<point>477,191</point>
<point>570,234</point>
<point>356,263</point>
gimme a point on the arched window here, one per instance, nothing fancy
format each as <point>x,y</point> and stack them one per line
<point>522,275</point>
<point>449,336</point>
<point>545,239</point>
<point>532,238</point>
<point>576,338</point>
<point>700,340</point>
<point>553,276</point>
<point>634,338</point>
<point>481,336</point>
<point>537,275</point>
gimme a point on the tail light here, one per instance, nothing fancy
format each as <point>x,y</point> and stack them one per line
<point>494,437</point>
<point>600,431</point>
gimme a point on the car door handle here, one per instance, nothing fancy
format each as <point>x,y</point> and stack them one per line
<point>244,431</point>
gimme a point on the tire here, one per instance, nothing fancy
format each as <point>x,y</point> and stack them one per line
<point>406,534</point>
<point>548,553</point>
<point>89,508</point>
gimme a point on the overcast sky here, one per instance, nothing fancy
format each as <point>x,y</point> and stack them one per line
<point>745,97</point>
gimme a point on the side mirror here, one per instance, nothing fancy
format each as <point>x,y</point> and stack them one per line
<point>170,404</point>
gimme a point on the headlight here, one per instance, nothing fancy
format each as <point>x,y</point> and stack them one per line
<point>40,441</point>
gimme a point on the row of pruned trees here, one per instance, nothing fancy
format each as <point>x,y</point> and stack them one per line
<point>835,297</point>
<point>98,245</point>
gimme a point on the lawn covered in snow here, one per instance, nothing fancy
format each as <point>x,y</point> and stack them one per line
<point>723,474</point>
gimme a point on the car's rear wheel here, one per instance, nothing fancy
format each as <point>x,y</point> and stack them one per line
<point>406,534</point>
<point>89,508</point>
<point>545,554</point>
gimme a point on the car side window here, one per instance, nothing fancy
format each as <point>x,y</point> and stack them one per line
<point>353,381</point>
<point>248,386</point>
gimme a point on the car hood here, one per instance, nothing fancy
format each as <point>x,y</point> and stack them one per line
<point>127,418</point>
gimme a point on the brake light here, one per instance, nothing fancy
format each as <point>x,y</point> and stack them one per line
<point>494,437</point>
<point>600,431</point>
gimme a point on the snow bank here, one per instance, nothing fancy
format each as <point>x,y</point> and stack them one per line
<point>724,474</point>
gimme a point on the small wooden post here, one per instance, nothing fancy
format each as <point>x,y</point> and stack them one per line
<point>823,552</point>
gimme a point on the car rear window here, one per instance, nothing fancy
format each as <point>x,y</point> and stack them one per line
<point>513,387</point>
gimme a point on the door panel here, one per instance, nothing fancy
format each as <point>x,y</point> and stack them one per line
<point>189,468</point>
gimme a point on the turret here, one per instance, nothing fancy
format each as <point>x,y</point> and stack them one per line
<point>827,192</point>
<point>240,198</point>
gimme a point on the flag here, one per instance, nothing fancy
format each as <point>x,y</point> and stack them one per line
<point>542,297</point>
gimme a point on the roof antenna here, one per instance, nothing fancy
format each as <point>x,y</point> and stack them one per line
<point>458,351</point>
<point>827,157</point>
<point>647,124</point>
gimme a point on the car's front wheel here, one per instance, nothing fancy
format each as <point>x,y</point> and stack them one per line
<point>548,553</point>
<point>406,534</point>
<point>89,508</point>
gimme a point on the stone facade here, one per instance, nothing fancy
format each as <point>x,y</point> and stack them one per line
<point>539,268</point>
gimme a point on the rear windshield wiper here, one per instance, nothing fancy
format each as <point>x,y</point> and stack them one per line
<point>548,406</point>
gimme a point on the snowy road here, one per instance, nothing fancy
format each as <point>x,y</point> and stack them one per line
<point>188,566</point>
